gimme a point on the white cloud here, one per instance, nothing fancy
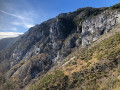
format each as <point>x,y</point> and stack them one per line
<point>3,28</point>
<point>14,29</point>
<point>9,34</point>
<point>27,24</point>
<point>20,20</point>
<point>16,23</point>
<point>14,15</point>
<point>23,23</point>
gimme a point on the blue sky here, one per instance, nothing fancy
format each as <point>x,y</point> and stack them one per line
<point>17,16</point>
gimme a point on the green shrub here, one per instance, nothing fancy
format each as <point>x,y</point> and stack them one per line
<point>117,6</point>
<point>48,79</point>
<point>74,63</point>
<point>99,56</point>
<point>88,13</point>
<point>88,64</point>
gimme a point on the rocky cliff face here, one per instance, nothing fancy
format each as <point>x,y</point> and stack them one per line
<point>96,26</point>
<point>44,45</point>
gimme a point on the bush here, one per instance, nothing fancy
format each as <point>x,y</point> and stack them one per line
<point>117,6</point>
<point>47,80</point>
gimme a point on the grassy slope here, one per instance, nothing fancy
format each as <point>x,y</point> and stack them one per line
<point>96,68</point>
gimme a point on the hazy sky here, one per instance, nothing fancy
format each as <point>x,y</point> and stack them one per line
<point>17,16</point>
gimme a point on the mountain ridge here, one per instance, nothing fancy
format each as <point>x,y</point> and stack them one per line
<point>46,45</point>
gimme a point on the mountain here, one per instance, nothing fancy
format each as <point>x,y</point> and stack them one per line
<point>83,39</point>
<point>6,42</point>
<point>98,68</point>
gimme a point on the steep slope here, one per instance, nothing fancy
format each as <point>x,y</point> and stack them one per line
<point>48,44</point>
<point>51,35</point>
<point>97,68</point>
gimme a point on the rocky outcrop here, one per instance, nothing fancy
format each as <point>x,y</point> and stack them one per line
<point>96,26</point>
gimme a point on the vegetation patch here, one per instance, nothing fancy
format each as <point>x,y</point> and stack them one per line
<point>50,81</point>
<point>117,6</point>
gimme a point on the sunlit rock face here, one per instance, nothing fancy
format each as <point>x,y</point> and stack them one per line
<point>96,26</point>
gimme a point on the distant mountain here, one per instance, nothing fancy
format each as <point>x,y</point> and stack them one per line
<point>74,39</point>
<point>6,42</point>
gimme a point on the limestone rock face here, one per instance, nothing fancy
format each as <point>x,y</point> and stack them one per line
<point>96,26</point>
